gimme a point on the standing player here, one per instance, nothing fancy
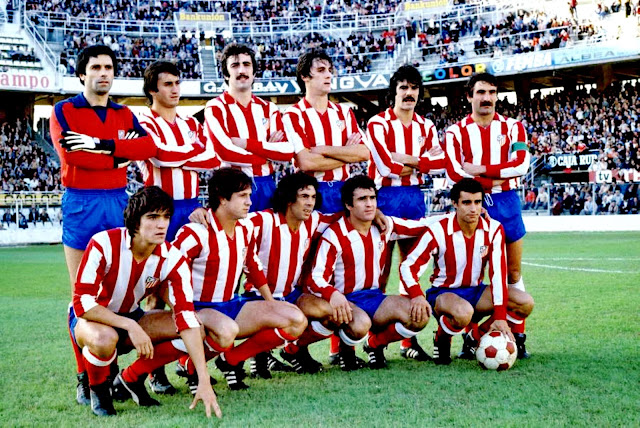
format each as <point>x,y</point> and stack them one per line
<point>404,147</point>
<point>463,245</point>
<point>95,139</point>
<point>247,131</point>
<point>120,267</point>
<point>218,253</point>
<point>492,149</point>
<point>346,272</point>
<point>183,150</point>
<point>325,135</point>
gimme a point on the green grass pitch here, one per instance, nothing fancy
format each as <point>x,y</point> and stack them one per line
<point>584,336</point>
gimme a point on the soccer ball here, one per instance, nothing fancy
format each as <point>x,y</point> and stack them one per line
<point>496,351</point>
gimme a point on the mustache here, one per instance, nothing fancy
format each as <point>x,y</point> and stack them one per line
<point>486,103</point>
<point>242,75</point>
<point>408,99</point>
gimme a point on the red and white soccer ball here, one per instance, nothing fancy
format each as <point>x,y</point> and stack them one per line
<point>496,351</point>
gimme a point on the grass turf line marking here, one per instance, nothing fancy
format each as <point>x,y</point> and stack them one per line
<point>612,259</point>
<point>579,269</point>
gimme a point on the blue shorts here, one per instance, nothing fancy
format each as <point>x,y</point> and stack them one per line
<point>331,197</point>
<point>402,201</point>
<point>262,192</point>
<point>87,212</point>
<point>230,308</point>
<point>122,334</point>
<point>367,300</point>
<point>289,298</point>
<point>505,207</point>
<point>470,294</point>
<point>182,209</point>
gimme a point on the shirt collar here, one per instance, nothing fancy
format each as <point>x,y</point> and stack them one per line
<point>79,101</point>
<point>160,250</point>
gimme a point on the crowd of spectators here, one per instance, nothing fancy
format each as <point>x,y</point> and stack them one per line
<point>136,53</point>
<point>244,10</point>
<point>584,199</point>
<point>25,166</point>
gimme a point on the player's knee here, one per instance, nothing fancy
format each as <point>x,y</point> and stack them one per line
<point>461,315</point>
<point>527,304</point>
<point>360,326</point>
<point>298,322</point>
<point>226,333</point>
<point>104,342</point>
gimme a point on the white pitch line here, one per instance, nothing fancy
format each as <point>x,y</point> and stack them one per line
<point>578,269</point>
<point>614,259</point>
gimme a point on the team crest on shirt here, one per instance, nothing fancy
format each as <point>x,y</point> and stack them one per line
<point>421,139</point>
<point>151,282</point>
<point>340,124</point>
<point>307,242</point>
<point>192,135</point>
<point>484,250</point>
<point>381,245</point>
<point>121,134</point>
<point>244,252</point>
<point>502,139</point>
<point>265,121</point>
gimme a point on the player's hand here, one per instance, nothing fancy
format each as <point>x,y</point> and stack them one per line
<point>141,341</point>
<point>200,216</point>
<point>353,139</point>
<point>435,151</point>
<point>420,309</point>
<point>383,222</point>
<point>120,163</point>
<point>240,142</point>
<point>342,312</point>
<point>502,326</point>
<point>208,396</point>
<point>72,142</point>
<point>485,214</point>
<point>276,137</point>
<point>474,170</point>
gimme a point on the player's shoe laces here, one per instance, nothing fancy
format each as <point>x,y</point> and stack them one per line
<point>376,357</point>
<point>259,366</point>
<point>233,374</point>
<point>334,359</point>
<point>301,361</point>
<point>521,338</point>
<point>442,349</point>
<point>83,394</point>
<point>349,361</point>
<point>191,379</point>
<point>159,382</point>
<point>415,351</point>
<point>469,346</point>
<point>137,391</point>
<point>276,365</point>
<point>101,401</point>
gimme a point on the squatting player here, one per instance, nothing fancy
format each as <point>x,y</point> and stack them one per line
<point>346,272</point>
<point>95,139</point>
<point>463,245</point>
<point>492,149</point>
<point>120,268</point>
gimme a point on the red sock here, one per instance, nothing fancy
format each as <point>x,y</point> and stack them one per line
<point>483,328</point>
<point>386,336</point>
<point>334,344</point>
<point>98,369</point>
<point>516,323</point>
<point>262,341</point>
<point>440,333</point>
<point>307,338</point>
<point>163,353</point>
<point>77,353</point>
<point>406,343</point>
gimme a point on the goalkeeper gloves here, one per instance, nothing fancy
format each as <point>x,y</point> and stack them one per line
<point>74,141</point>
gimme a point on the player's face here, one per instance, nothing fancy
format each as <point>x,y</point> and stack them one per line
<point>364,206</point>
<point>153,227</point>
<point>98,76</point>
<point>240,70</point>
<point>304,204</point>
<point>483,101</point>
<point>238,206</point>
<point>469,207</point>
<point>406,95</point>
<point>168,95</point>
<point>319,80</point>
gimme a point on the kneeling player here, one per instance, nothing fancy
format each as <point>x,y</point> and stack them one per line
<point>463,245</point>
<point>218,252</point>
<point>346,273</point>
<point>120,268</point>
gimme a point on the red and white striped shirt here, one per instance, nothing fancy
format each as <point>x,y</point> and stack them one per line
<point>388,135</point>
<point>183,150</point>
<point>283,251</point>
<point>217,260</point>
<point>109,276</point>
<point>353,262</point>
<point>459,261</point>
<point>466,141</point>
<point>225,118</point>
<point>306,128</point>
